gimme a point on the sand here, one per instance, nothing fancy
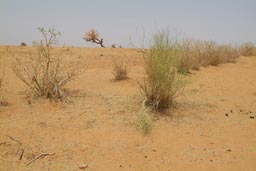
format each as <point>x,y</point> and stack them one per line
<point>212,128</point>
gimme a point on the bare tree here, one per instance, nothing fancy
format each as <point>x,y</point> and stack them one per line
<point>93,36</point>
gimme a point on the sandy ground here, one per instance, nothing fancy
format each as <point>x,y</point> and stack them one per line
<point>212,129</point>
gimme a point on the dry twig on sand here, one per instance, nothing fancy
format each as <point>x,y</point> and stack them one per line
<point>17,141</point>
<point>39,156</point>
<point>21,155</point>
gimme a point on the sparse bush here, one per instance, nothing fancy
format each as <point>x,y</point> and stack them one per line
<point>229,53</point>
<point>199,50</point>
<point>211,54</point>
<point>247,49</point>
<point>185,56</point>
<point>45,74</point>
<point>93,36</point>
<point>120,70</point>
<point>194,54</point>
<point>23,44</point>
<point>163,80</point>
<point>113,45</point>
<point>217,54</point>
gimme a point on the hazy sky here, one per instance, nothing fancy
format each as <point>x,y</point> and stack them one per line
<point>125,22</point>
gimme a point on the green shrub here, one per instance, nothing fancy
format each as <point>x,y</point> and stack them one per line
<point>163,80</point>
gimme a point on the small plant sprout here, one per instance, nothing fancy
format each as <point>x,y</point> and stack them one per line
<point>144,120</point>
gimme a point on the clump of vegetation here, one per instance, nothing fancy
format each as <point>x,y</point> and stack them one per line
<point>3,102</point>
<point>229,53</point>
<point>45,74</point>
<point>23,44</point>
<point>194,54</point>
<point>216,54</point>
<point>211,54</point>
<point>185,56</point>
<point>93,37</point>
<point>247,49</point>
<point>163,80</point>
<point>120,70</point>
<point>113,45</point>
<point>144,121</point>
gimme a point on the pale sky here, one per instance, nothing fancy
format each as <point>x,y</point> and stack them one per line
<point>127,22</point>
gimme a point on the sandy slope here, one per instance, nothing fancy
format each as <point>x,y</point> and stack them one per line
<point>211,129</point>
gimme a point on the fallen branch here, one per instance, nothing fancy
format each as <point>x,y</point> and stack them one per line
<point>39,156</point>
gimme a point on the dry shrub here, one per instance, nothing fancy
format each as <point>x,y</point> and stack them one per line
<point>197,55</point>
<point>93,36</point>
<point>211,54</point>
<point>229,53</point>
<point>120,70</point>
<point>247,49</point>
<point>163,80</point>
<point>217,54</point>
<point>194,54</point>
<point>45,74</point>
<point>185,58</point>
<point>189,56</point>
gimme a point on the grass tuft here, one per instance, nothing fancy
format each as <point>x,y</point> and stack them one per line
<point>163,80</point>
<point>144,121</point>
<point>120,70</point>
